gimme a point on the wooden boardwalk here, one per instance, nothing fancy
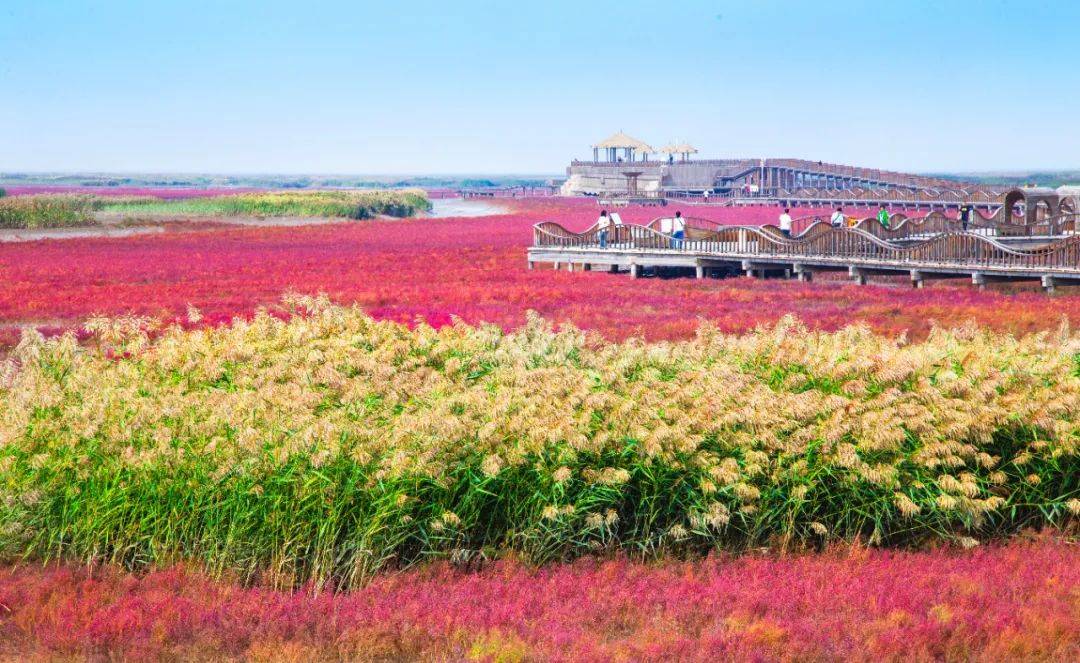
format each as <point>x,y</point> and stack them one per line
<point>922,249</point>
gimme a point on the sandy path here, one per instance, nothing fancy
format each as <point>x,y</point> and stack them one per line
<point>21,235</point>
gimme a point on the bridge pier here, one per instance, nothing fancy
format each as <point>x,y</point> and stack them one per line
<point>978,279</point>
<point>635,270</point>
<point>857,274</point>
<point>916,279</point>
<point>1048,284</point>
<point>802,272</point>
<point>699,270</point>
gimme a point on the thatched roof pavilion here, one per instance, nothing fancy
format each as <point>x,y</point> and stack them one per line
<point>683,149</point>
<point>620,141</point>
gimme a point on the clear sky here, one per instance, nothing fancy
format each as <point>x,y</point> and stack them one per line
<point>521,87</point>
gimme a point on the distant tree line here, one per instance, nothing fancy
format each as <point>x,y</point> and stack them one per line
<point>270,181</point>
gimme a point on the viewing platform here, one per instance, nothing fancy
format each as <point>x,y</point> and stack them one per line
<point>931,247</point>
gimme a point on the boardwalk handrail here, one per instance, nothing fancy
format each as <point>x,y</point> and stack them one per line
<point>822,241</point>
<point>694,226</point>
<point>551,234</point>
<point>942,195</point>
<point>902,226</point>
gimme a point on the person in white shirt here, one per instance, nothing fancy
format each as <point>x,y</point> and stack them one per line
<point>837,219</point>
<point>602,225</point>
<point>705,194</point>
<point>678,231</point>
<point>785,222</point>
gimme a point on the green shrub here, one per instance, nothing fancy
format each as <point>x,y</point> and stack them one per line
<point>343,204</point>
<point>47,211</point>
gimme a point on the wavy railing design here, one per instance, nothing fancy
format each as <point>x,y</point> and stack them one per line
<point>823,241</point>
<point>936,222</point>
<point>695,227</point>
<point>902,226</point>
<point>552,235</point>
<point>922,195</point>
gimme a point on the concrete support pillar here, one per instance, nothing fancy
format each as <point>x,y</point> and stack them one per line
<point>699,271</point>
<point>570,267</point>
<point>532,265</point>
<point>978,280</point>
<point>635,270</point>
<point>556,266</point>
<point>916,279</point>
<point>1048,283</point>
<point>857,275</point>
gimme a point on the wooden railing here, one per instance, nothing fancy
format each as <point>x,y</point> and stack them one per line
<point>552,235</point>
<point>891,178</point>
<point>902,226</point>
<point>823,241</point>
<point>694,227</point>
<point>926,195</point>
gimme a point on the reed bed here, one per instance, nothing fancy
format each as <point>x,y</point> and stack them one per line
<point>322,445</point>
<point>343,204</point>
<point>67,210</point>
<point>47,211</point>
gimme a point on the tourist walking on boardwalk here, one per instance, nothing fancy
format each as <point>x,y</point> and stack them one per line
<point>785,222</point>
<point>965,216</point>
<point>883,217</point>
<point>837,219</point>
<point>705,194</point>
<point>602,225</point>
<point>678,231</point>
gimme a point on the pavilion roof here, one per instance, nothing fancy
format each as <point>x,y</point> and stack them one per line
<point>678,148</point>
<point>621,140</point>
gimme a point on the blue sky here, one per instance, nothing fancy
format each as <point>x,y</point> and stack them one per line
<point>439,87</point>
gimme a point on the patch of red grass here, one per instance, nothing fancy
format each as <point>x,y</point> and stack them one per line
<point>1018,601</point>
<point>468,267</point>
